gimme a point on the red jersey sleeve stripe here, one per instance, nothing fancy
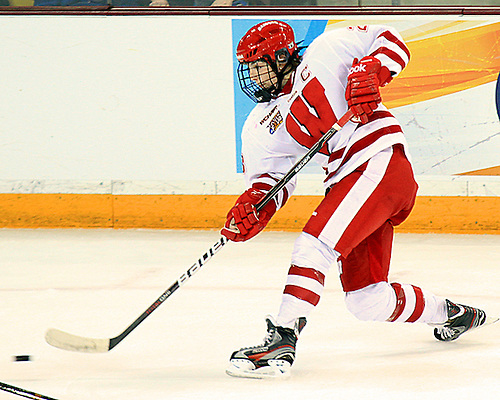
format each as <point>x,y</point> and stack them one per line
<point>265,187</point>
<point>392,38</point>
<point>268,176</point>
<point>391,54</point>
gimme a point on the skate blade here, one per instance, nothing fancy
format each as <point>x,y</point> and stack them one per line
<point>246,369</point>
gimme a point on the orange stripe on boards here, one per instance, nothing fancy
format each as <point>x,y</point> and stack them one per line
<point>171,211</point>
<point>56,211</point>
<point>200,212</point>
<point>453,214</point>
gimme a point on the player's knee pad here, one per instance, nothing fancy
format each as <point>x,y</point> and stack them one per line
<point>372,303</point>
<point>311,252</point>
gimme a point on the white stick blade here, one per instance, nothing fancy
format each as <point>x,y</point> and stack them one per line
<point>67,341</point>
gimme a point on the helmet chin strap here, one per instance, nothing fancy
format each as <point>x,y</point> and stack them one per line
<point>263,96</point>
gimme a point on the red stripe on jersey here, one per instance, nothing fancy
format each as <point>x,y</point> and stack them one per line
<point>392,38</point>
<point>364,143</point>
<point>337,154</point>
<point>400,302</point>
<point>267,176</point>
<point>391,54</point>
<point>377,115</point>
<point>308,273</point>
<point>302,294</point>
<point>419,305</point>
<point>370,139</point>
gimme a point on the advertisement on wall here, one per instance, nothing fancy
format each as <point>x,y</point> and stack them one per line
<point>447,99</point>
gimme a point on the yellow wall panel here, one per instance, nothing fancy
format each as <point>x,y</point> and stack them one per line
<point>446,64</point>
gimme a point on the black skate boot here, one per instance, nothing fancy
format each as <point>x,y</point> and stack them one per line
<point>460,320</point>
<point>271,359</point>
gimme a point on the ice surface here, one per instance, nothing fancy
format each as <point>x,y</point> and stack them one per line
<point>96,282</point>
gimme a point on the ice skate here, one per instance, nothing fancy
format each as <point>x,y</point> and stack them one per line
<point>273,358</point>
<point>460,320</point>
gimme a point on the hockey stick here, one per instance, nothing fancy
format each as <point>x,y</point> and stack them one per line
<point>67,341</point>
<point>23,392</point>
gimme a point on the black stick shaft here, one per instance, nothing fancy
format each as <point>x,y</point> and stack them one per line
<point>165,295</point>
<point>304,160</point>
<point>222,241</point>
<point>23,392</point>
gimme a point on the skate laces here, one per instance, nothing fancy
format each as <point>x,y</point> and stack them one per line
<point>273,334</point>
<point>269,336</point>
<point>266,341</point>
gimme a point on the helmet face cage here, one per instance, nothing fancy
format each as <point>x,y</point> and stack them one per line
<point>258,80</point>
<point>261,80</point>
<point>265,47</point>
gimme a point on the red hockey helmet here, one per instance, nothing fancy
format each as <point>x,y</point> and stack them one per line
<point>265,39</point>
<point>274,43</point>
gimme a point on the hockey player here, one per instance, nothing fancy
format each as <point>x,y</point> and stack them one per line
<point>369,184</point>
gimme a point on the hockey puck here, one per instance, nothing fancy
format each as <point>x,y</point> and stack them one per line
<point>21,358</point>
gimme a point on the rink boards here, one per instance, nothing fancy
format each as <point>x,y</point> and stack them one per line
<point>445,214</point>
<point>112,122</point>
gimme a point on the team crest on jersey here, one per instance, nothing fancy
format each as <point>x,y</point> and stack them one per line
<point>275,123</point>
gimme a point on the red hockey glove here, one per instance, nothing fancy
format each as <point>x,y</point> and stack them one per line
<point>363,82</point>
<point>243,221</point>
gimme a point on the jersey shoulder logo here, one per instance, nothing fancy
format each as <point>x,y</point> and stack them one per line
<point>275,123</point>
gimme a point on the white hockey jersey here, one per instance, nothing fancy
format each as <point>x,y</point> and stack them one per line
<point>276,134</point>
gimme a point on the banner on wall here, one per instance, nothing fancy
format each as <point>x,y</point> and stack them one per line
<point>447,99</point>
